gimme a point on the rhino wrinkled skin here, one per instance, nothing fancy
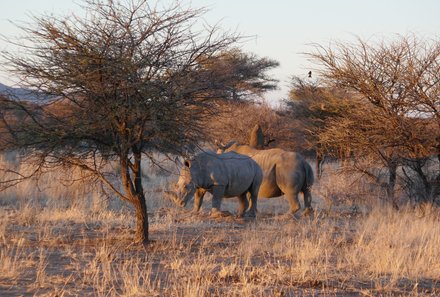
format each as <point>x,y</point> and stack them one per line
<point>284,173</point>
<point>223,175</point>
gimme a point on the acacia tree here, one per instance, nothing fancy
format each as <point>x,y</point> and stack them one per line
<point>125,80</point>
<point>247,74</point>
<point>313,105</point>
<point>397,87</point>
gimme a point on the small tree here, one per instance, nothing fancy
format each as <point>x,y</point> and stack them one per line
<point>125,80</point>
<point>397,87</point>
<point>312,105</point>
<point>246,73</point>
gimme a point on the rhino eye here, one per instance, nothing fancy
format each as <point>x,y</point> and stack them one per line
<point>189,187</point>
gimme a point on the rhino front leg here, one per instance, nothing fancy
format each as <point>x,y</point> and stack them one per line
<point>217,195</point>
<point>198,199</point>
<point>244,204</point>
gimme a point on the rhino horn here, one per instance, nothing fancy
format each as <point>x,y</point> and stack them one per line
<point>174,197</point>
<point>223,147</point>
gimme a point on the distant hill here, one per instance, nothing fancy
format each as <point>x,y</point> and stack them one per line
<point>20,93</point>
<point>15,103</point>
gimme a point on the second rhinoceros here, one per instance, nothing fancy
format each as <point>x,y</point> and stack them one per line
<point>284,173</point>
<point>223,175</point>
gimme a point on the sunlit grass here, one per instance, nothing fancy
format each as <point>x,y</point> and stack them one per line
<point>73,241</point>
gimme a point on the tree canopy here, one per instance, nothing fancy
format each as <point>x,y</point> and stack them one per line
<point>245,72</point>
<point>395,87</point>
<point>127,79</point>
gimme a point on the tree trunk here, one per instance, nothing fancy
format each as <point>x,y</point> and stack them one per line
<point>438,157</point>
<point>141,219</point>
<point>134,190</point>
<point>392,169</point>
<point>427,188</point>
<point>318,165</point>
<point>141,205</point>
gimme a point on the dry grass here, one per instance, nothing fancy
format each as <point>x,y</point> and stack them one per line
<point>68,241</point>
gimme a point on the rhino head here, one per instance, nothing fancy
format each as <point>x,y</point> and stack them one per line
<point>185,188</point>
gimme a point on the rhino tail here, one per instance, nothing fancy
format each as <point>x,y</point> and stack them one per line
<point>307,186</point>
<point>309,177</point>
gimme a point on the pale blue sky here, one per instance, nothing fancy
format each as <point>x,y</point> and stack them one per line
<point>282,28</point>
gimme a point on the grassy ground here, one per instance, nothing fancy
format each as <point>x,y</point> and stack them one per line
<point>65,241</point>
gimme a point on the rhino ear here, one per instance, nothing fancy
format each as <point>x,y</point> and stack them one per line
<point>187,163</point>
<point>178,161</point>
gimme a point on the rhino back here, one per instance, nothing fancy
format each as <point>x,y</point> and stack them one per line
<point>291,172</point>
<point>283,171</point>
<point>232,170</point>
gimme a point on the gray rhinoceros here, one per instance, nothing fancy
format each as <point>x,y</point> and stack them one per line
<point>223,175</point>
<point>284,173</point>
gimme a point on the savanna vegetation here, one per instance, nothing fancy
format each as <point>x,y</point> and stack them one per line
<point>70,238</point>
<point>125,91</point>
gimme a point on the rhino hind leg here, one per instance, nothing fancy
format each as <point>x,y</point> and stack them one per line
<point>307,202</point>
<point>308,212</point>
<point>253,197</point>
<point>292,198</point>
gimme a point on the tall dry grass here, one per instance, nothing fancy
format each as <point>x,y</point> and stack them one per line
<point>73,240</point>
<point>399,244</point>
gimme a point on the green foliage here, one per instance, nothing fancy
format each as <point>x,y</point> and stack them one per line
<point>245,73</point>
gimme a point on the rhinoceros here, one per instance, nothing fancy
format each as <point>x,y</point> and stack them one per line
<point>223,175</point>
<point>284,173</point>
